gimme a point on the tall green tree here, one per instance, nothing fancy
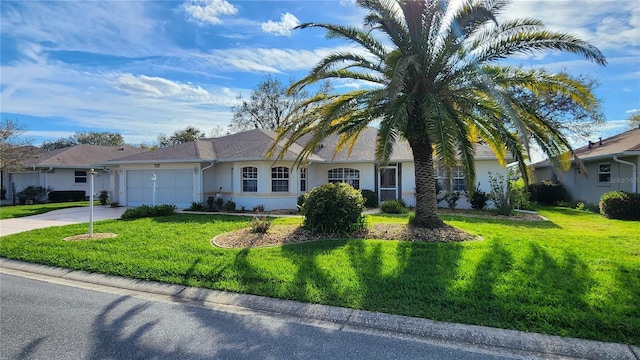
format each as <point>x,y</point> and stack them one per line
<point>104,138</point>
<point>190,133</point>
<point>564,112</point>
<point>58,144</point>
<point>439,85</point>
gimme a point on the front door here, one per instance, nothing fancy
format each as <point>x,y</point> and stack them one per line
<point>388,183</point>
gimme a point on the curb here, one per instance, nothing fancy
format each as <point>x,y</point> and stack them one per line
<point>349,319</point>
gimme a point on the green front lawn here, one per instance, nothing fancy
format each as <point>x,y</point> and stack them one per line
<point>15,211</point>
<point>577,275</point>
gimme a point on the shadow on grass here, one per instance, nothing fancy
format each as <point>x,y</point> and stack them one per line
<point>534,289</point>
<point>501,222</point>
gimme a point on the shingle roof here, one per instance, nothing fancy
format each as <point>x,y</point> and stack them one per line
<point>628,141</point>
<point>364,149</point>
<point>81,156</point>
<point>617,144</point>
<point>199,150</point>
<point>254,145</point>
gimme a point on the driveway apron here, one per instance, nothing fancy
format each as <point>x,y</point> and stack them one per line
<point>60,217</point>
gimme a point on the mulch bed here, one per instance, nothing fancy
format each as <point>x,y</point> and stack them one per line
<point>287,234</point>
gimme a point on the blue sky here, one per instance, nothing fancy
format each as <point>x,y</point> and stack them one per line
<point>147,67</point>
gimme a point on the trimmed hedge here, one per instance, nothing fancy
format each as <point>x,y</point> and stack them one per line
<point>548,192</point>
<point>333,208</point>
<point>394,207</point>
<point>620,205</point>
<point>370,198</point>
<point>67,195</point>
<point>143,211</point>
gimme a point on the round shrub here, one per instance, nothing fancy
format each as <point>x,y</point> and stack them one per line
<point>333,208</point>
<point>620,205</point>
<point>370,198</point>
<point>394,207</point>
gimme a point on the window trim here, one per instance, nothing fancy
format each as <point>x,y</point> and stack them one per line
<point>280,182</point>
<point>303,180</point>
<point>350,176</point>
<point>600,173</point>
<point>249,174</point>
<point>78,176</point>
<point>454,182</point>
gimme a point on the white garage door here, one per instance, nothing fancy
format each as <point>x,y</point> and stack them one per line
<point>172,187</point>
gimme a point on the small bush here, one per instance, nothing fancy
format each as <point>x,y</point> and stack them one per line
<point>143,211</point>
<point>114,204</point>
<point>68,195</point>
<point>103,197</point>
<point>301,199</point>
<point>394,207</point>
<point>518,194</point>
<point>500,189</point>
<point>218,202</point>
<point>197,206</point>
<point>479,199</point>
<point>230,205</point>
<point>210,202</point>
<point>35,194</point>
<point>258,208</point>
<point>548,192</point>
<point>620,205</point>
<point>370,198</point>
<point>452,198</point>
<point>333,208</point>
<point>260,225</point>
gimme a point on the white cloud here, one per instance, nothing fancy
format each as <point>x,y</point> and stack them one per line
<point>605,24</point>
<point>209,11</point>
<point>632,111</point>
<point>122,28</point>
<point>157,87</point>
<point>267,60</point>
<point>283,27</point>
<point>140,109</point>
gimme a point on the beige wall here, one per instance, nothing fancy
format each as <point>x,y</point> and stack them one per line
<point>586,187</point>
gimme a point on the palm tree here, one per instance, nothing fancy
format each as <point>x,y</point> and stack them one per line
<point>436,82</point>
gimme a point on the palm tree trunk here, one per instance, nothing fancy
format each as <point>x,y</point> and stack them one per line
<point>425,181</point>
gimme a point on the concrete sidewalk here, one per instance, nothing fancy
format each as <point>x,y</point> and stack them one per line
<point>510,343</point>
<point>76,215</point>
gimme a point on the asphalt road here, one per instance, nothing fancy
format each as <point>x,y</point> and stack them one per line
<point>42,320</point>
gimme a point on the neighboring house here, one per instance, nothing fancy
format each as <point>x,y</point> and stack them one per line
<point>611,164</point>
<point>68,168</point>
<point>236,167</point>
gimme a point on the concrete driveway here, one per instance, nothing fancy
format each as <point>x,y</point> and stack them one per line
<point>58,217</point>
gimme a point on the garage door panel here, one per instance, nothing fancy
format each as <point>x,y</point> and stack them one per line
<point>172,187</point>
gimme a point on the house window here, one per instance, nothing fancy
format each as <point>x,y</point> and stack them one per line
<point>250,179</point>
<point>303,179</point>
<point>345,175</point>
<point>456,182</point>
<point>279,179</point>
<point>604,173</point>
<point>80,177</point>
